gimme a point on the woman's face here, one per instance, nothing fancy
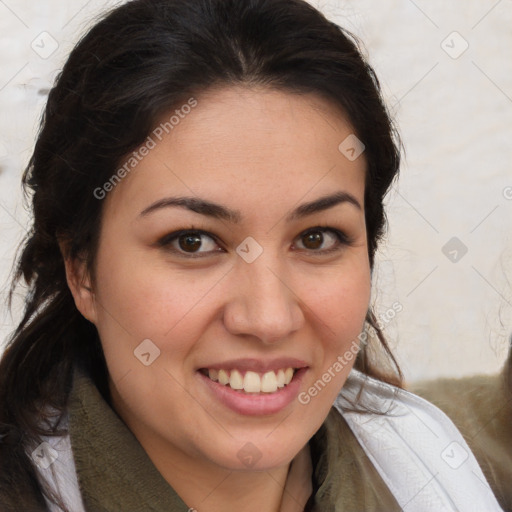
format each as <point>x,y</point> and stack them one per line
<point>234,250</point>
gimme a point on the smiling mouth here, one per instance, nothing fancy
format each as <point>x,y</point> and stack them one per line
<point>252,382</point>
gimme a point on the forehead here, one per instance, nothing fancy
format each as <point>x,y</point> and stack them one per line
<point>239,143</point>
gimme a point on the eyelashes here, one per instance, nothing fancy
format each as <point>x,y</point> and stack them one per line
<point>313,238</point>
<point>188,242</point>
<point>197,243</point>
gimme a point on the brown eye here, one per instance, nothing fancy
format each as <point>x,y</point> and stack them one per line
<point>190,242</point>
<point>313,240</point>
<point>321,240</point>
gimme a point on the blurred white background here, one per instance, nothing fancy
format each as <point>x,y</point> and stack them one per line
<point>447,77</point>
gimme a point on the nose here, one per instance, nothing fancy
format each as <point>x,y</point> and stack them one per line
<point>263,304</point>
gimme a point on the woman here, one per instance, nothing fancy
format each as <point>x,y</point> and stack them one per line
<point>208,189</point>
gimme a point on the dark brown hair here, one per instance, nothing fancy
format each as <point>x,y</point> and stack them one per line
<point>138,62</point>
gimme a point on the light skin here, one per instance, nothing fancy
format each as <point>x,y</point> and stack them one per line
<point>262,154</point>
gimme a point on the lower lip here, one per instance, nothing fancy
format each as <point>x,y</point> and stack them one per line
<point>256,404</point>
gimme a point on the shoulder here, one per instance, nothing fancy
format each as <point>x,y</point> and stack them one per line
<point>418,451</point>
<point>472,403</point>
<point>481,407</point>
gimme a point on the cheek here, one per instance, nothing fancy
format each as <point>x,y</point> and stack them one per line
<point>341,306</point>
<point>138,300</point>
<point>341,300</point>
<point>146,297</point>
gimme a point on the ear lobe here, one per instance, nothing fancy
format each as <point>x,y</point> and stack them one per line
<point>79,283</point>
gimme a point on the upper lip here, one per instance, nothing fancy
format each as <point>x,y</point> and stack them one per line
<point>257,365</point>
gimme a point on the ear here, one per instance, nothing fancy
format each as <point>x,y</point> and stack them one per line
<point>79,283</point>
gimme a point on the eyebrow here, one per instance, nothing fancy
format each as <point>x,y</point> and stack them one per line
<point>218,211</point>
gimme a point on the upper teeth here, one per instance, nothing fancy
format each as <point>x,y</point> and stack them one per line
<point>253,382</point>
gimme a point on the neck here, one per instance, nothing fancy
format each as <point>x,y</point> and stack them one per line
<point>205,486</point>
